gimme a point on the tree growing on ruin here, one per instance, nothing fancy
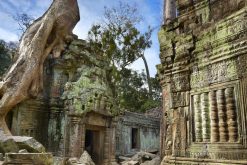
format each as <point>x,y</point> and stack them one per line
<point>47,35</point>
<point>120,41</point>
<point>134,95</point>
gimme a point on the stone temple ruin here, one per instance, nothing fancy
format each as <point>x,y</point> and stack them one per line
<point>137,132</point>
<point>203,76</point>
<point>75,111</point>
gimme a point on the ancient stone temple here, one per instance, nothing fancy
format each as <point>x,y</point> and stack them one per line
<point>137,132</point>
<point>75,111</point>
<point>203,73</point>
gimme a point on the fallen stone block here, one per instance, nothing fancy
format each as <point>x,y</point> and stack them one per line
<point>23,151</point>
<point>7,144</point>
<point>15,143</point>
<point>132,162</point>
<point>28,158</point>
<point>86,159</point>
<point>124,158</point>
<point>29,143</point>
<point>74,161</point>
<point>1,157</point>
<point>59,161</point>
<point>143,156</point>
<point>155,161</point>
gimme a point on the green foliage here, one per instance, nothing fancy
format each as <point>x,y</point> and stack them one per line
<point>121,43</point>
<point>5,57</point>
<point>134,95</point>
<point>118,38</point>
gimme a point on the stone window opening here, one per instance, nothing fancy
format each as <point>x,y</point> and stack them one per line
<point>135,138</point>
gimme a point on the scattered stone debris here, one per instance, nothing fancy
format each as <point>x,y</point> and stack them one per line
<point>7,144</point>
<point>28,159</point>
<point>59,160</point>
<point>1,157</point>
<point>23,151</point>
<point>29,143</point>
<point>17,143</point>
<point>141,158</point>
<point>85,159</point>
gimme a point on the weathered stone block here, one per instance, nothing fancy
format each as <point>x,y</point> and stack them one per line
<point>7,144</point>
<point>29,143</point>
<point>29,158</point>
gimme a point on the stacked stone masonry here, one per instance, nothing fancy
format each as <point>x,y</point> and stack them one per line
<point>203,52</point>
<point>219,106</point>
<point>75,111</point>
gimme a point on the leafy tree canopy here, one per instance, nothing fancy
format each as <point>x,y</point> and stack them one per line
<point>118,39</point>
<point>7,51</point>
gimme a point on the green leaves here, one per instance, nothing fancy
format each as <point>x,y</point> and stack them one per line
<point>5,57</point>
<point>120,42</point>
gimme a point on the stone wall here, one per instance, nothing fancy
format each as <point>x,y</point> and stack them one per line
<point>76,98</point>
<point>148,133</point>
<point>203,77</point>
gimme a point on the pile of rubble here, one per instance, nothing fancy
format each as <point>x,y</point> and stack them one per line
<point>85,159</point>
<point>141,158</point>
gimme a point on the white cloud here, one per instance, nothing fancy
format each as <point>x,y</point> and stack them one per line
<point>7,35</point>
<point>90,12</point>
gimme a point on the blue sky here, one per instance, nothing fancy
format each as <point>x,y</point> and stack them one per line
<point>90,12</point>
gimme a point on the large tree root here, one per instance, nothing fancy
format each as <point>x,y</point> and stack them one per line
<point>46,35</point>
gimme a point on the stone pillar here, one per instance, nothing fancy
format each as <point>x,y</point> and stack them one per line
<point>205,117</point>
<point>170,10</point>
<point>113,144</point>
<point>222,115</point>
<point>214,117</point>
<point>107,146</point>
<point>231,115</point>
<point>198,119</point>
<point>54,128</point>
<point>75,137</point>
<point>83,135</point>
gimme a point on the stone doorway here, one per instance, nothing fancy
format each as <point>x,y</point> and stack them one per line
<point>94,142</point>
<point>135,138</point>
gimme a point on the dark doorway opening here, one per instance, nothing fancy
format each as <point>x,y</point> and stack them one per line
<point>92,143</point>
<point>134,138</point>
<point>9,119</point>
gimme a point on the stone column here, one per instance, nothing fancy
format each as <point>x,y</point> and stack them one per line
<point>198,119</point>
<point>214,117</point>
<point>222,115</point>
<point>170,10</point>
<point>75,139</point>
<point>205,117</point>
<point>83,135</point>
<point>113,144</point>
<point>107,146</point>
<point>231,115</point>
<point>54,126</point>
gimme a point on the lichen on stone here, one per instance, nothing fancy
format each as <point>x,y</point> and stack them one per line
<point>89,90</point>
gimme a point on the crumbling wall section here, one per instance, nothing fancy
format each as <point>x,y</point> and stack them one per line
<point>148,133</point>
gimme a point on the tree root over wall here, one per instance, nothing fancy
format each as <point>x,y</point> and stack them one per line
<point>47,35</point>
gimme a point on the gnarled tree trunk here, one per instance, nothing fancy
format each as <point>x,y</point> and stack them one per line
<point>46,35</point>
